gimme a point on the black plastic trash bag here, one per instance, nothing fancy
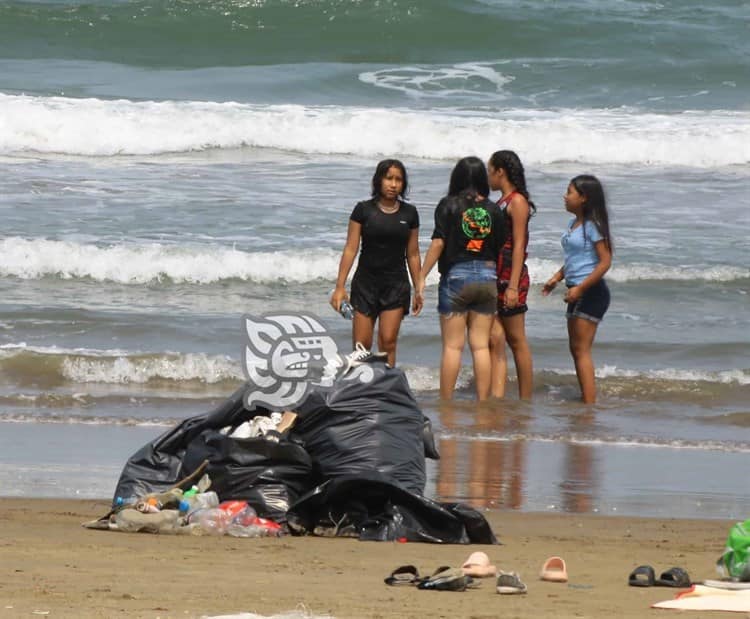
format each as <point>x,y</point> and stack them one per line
<point>269,474</point>
<point>370,507</point>
<point>157,466</point>
<point>367,421</point>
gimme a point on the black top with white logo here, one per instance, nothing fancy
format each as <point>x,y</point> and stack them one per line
<point>385,236</point>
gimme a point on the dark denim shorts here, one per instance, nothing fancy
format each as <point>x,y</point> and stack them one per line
<point>592,305</point>
<point>469,286</point>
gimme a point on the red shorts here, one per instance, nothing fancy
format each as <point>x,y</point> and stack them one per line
<point>503,280</point>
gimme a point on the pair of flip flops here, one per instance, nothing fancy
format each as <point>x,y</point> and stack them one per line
<point>444,578</point>
<point>644,576</point>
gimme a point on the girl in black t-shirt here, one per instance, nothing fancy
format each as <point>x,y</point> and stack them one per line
<point>469,232</point>
<point>388,230</point>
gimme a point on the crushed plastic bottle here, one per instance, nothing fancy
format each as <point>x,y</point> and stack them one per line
<point>238,510</point>
<point>248,524</point>
<point>132,520</point>
<point>198,500</point>
<point>210,520</point>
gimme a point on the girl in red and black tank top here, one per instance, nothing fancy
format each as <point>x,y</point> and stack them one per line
<point>506,174</point>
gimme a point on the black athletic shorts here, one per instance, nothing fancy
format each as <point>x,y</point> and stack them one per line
<point>372,294</point>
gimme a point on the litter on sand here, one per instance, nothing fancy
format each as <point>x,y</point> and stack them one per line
<point>700,597</point>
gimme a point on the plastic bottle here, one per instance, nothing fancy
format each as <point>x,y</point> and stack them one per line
<point>237,509</point>
<point>190,493</point>
<point>346,310</point>
<point>210,520</point>
<point>198,500</point>
<point>244,524</point>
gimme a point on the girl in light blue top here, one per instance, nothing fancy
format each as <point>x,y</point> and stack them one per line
<point>587,247</point>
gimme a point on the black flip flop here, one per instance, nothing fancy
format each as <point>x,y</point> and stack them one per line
<point>674,577</point>
<point>404,575</point>
<point>642,576</point>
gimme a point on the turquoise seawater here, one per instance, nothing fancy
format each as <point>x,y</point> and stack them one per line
<point>167,167</point>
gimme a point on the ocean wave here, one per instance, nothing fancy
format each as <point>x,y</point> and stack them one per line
<point>140,263</point>
<point>476,80</point>
<point>195,372</point>
<point>662,272</point>
<point>72,418</point>
<point>94,127</point>
<point>52,366</point>
<point>232,32</point>
<point>594,440</point>
<point>661,379</point>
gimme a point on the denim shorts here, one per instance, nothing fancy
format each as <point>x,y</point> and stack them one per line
<point>469,286</point>
<point>592,305</point>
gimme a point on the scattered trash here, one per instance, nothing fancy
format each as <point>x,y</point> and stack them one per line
<point>735,561</point>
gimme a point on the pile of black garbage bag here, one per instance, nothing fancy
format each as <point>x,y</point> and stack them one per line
<point>353,464</point>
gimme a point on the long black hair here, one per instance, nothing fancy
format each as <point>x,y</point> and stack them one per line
<point>511,163</point>
<point>595,206</point>
<point>381,170</point>
<point>469,176</point>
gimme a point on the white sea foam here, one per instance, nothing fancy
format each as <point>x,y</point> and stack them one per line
<point>147,262</point>
<point>661,272</point>
<point>82,365</point>
<point>474,80</point>
<point>139,263</point>
<point>609,441</point>
<point>734,376</point>
<point>179,368</point>
<point>94,127</point>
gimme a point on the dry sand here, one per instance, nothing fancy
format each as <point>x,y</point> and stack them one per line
<point>50,563</point>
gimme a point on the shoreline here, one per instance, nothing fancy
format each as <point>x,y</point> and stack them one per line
<point>53,564</point>
<point>524,476</point>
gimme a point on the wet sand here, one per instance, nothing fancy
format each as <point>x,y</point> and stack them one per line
<point>51,564</point>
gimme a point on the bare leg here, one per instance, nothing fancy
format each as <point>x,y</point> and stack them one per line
<point>363,328</point>
<point>499,367</point>
<point>515,333</point>
<point>389,323</point>
<point>453,331</point>
<point>480,326</point>
<point>581,334</point>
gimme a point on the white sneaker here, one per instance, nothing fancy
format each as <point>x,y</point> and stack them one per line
<point>360,355</point>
